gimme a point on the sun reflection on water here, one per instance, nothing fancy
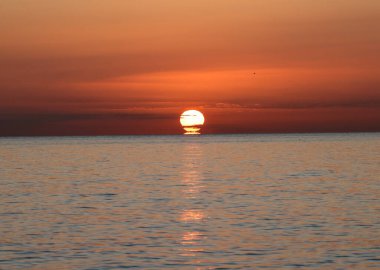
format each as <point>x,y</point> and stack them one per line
<point>191,242</point>
<point>192,215</point>
<point>192,180</point>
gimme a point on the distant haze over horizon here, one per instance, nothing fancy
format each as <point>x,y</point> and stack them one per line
<point>132,67</point>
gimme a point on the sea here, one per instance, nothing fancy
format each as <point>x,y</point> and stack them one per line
<point>258,201</point>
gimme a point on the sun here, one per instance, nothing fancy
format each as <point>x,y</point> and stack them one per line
<point>192,121</point>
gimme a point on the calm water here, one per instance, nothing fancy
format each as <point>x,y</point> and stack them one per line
<point>185,202</point>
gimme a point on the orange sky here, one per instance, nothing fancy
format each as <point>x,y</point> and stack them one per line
<point>131,67</point>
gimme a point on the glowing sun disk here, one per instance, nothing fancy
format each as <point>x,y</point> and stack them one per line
<point>191,121</point>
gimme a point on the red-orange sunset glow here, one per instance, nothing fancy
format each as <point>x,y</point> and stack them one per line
<point>132,67</point>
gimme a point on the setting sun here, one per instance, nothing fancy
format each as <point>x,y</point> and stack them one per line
<point>191,121</point>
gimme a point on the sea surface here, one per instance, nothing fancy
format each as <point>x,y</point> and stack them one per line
<point>309,201</point>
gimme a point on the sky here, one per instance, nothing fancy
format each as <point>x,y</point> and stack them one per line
<point>94,67</point>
